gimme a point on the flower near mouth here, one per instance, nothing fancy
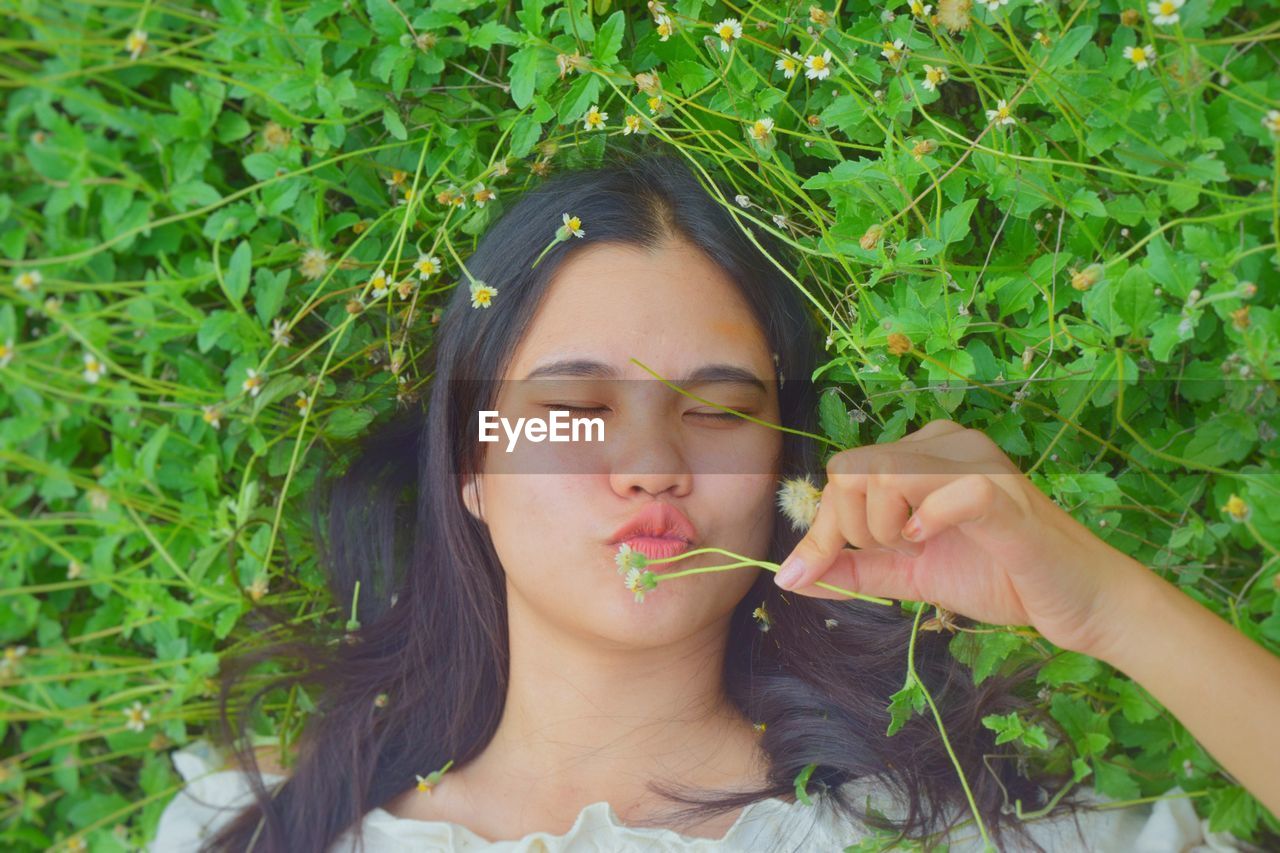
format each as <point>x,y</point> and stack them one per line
<point>640,582</point>
<point>627,559</point>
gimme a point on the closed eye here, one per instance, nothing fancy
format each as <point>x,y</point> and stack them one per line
<point>715,416</point>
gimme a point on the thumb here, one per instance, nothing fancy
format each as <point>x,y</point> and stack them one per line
<point>815,553</point>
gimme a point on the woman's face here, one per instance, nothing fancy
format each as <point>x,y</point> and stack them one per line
<point>552,508</point>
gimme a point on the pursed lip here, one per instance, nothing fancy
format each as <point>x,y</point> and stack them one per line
<point>658,530</point>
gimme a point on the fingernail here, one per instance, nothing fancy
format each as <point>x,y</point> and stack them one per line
<point>911,530</point>
<point>790,571</point>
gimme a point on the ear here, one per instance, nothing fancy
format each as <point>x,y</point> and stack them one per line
<point>473,497</point>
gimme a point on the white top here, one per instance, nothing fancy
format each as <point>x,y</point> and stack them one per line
<point>1170,826</point>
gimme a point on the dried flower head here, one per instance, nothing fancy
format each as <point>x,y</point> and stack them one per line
<point>799,498</point>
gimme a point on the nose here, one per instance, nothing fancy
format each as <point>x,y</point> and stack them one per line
<point>646,457</point>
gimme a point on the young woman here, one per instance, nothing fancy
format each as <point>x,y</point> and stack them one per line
<point>497,642</point>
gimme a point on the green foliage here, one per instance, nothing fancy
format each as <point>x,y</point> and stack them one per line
<point>1092,285</point>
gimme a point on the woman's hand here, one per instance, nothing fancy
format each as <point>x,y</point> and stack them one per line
<point>989,544</point>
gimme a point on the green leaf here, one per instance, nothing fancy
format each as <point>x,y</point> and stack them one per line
<point>1068,668</point>
<point>1086,203</point>
<point>835,420</point>
<point>802,784</point>
<point>391,121</point>
<point>907,701</point>
<point>955,222</point>
<point>268,292</point>
<point>609,38</point>
<point>236,277</point>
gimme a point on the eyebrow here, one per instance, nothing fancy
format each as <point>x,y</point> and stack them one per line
<point>731,374</point>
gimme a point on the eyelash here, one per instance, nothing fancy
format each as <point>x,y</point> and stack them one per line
<point>719,416</point>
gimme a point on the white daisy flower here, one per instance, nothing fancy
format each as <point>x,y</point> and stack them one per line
<point>892,50</point>
<point>1164,12</point>
<point>1140,56</point>
<point>1002,114</point>
<point>253,382</point>
<point>761,129</point>
<point>426,266</point>
<point>818,67</point>
<point>594,119</point>
<point>136,717</point>
<point>729,30</point>
<point>789,63</point>
<point>933,76</point>
<point>93,369</point>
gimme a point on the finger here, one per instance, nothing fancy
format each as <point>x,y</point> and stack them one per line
<point>820,545</point>
<point>915,474</point>
<point>887,511</point>
<point>985,510</point>
<point>881,573</point>
<point>934,428</point>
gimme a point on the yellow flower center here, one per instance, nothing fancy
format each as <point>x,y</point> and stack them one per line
<point>726,32</point>
<point>574,223</point>
<point>1139,55</point>
<point>664,29</point>
<point>819,63</point>
<point>1167,8</point>
<point>934,75</point>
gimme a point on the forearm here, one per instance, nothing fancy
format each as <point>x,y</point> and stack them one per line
<point>1221,685</point>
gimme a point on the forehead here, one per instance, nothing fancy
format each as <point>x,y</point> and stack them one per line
<point>672,308</point>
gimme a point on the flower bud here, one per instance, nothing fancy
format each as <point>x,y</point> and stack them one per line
<point>899,343</point>
<point>872,237</point>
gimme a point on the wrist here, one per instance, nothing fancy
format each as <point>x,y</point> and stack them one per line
<point>1125,617</point>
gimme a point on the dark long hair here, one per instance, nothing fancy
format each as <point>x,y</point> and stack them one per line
<point>423,680</point>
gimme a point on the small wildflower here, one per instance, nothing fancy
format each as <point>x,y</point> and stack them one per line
<point>135,43</point>
<point>655,105</point>
<point>819,16</point>
<point>633,123</point>
<point>818,67</point>
<point>761,615</point>
<point>258,588</point>
<point>742,200</point>
<point>780,220</point>
<point>729,29</point>
<point>920,10</point>
<point>640,582</point>
<point>451,196</point>
<point>628,558</point>
<point>594,119</point>
<point>933,75</point>
<point>380,701</point>
<point>426,266</point>
<point>1271,121</point>
<point>1240,318</point>
<point>13,656</point>
<point>871,238</point>
<point>410,194</point>
<point>379,283</point>
<point>663,25</point>
<point>74,570</point>
<point>1236,508</point>
<point>1087,277</point>
<point>406,287</point>
<point>572,225</point>
<point>1140,56</point>
<point>398,177</point>
<point>1164,12</point>
<point>360,226</point>
<point>993,6</point>
<point>28,281</point>
<point>799,498</point>
<point>568,62</point>
<point>275,137</point>
<point>75,845</point>
<point>648,82</point>
<point>136,717</point>
<point>482,294</point>
<point>923,148</point>
<point>892,50</point>
<point>6,352</point>
<point>482,194</point>
<point>759,727</point>
<point>789,63</point>
<point>830,623</point>
<point>253,382</point>
<point>1002,114</point>
<point>314,263</point>
<point>426,783</point>
<point>899,343</point>
<point>954,14</point>
<point>280,332</point>
<point>93,369</point>
<point>212,416</point>
<point>302,402</point>
<point>1041,38</point>
<point>1130,17</point>
<point>761,129</point>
